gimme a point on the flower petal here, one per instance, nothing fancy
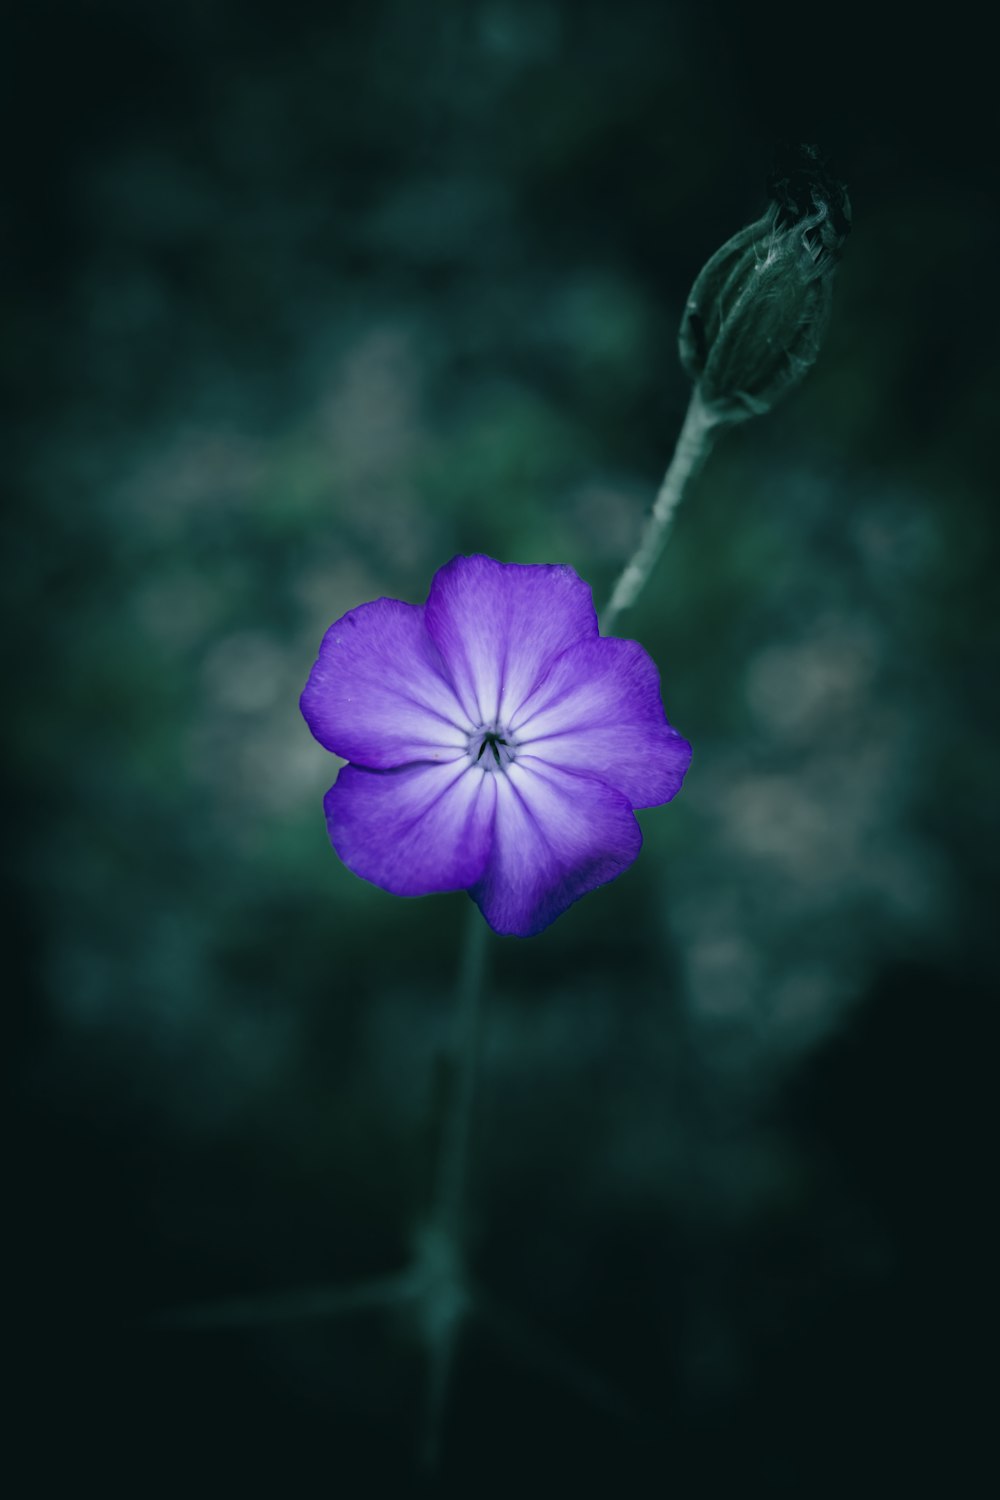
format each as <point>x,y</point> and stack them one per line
<point>379,693</point>
<point>557,836</point>
<point>416,829</point>
<point>498,625</point>
<point>598,710</point>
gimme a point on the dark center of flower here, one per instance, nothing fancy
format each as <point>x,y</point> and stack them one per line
<point>491,749</point>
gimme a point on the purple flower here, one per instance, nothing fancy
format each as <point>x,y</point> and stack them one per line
<point>497,742</point>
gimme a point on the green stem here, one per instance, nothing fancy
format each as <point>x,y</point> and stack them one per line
<point>454,1158</point>
<point>444,1299</point>
<point>693,447</point>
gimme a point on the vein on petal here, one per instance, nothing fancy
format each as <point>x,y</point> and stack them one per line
<point>395,770</point>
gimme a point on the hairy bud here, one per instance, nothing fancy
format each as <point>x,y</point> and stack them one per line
<point>755,317</point>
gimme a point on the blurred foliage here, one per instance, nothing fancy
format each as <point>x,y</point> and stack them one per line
<point>299,302</point>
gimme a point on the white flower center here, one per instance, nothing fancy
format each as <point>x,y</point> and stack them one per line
<point>492,748</point>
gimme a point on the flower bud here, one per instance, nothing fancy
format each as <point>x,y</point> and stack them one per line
<point>755,316</point>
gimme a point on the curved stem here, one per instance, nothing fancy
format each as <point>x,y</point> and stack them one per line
<point>693,447</point>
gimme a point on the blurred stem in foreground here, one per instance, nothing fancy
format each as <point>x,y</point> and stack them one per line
<point>433,1292</point>
<point>439,1251</point>
<point>453,1161</point>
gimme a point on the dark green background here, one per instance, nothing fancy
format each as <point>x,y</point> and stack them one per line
<point>298,302</point>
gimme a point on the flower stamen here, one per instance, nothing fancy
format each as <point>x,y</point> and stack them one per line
<point>492,740</point>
